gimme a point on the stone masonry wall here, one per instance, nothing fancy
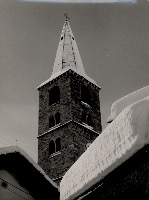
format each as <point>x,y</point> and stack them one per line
<point>74,138</point>
<point>78,106</point>
<point>70,105</point>
<point>63,106</point>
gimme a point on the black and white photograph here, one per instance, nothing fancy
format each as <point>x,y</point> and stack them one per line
<point>74,99</point>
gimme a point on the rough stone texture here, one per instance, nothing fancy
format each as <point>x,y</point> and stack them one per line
<point>74,138</point>
<point>129,181</point>
<point>77,105</point>
<point>70,105</point>
<point>73,135</point>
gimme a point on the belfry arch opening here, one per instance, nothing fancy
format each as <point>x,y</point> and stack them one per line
<point>85,94</point>
<point>58,144</point>
<point>51,147</point>
<point>54,146</point>
<point>57,118</point>
<point>54,120</point>
<point>87,118</point>
<point>51,121</point>
<point>54,95</point>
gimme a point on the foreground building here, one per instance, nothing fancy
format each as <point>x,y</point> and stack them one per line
<point>22,178</point>
<point>116,165</point>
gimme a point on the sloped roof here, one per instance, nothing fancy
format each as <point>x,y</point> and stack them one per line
<point>67,56</point>
<point>127,134</point>
<point>127,100</point>
<point>28,172</point>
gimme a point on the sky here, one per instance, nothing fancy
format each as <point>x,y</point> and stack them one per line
<point>113,41</point>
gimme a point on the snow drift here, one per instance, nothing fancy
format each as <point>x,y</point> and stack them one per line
<point>128,133</point>
<point>127,100</point>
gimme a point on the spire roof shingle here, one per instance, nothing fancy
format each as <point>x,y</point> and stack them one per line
<point>67,56</point>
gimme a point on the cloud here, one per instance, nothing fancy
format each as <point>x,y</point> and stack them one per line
<point>81,1</point>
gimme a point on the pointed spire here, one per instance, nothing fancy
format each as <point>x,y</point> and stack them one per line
<point>67,56</point>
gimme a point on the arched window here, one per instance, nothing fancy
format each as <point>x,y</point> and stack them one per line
<point>85,94</point>
<point>57,118</point>
<point>54,95</point>
<point>84,117</point>
<point>58,144</point>
<point>51,121</point>
<point>51,147</point>
<point>54,146</point>
<point>89,120</point>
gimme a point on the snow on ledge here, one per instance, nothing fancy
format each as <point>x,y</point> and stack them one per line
<point>56,74</point>
<point>128,133</point>
<point>127,100</point>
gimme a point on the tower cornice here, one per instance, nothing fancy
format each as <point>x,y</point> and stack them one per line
<point>70,121</point>
<point>62,73</point>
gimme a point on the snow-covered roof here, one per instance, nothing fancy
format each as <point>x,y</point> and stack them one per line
<point>15,149</point>
<point>128,133</point>
<point>127,100</point>
<point>67,56</point>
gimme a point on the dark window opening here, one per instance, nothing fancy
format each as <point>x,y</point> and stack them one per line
<point>87,119</point>
<point>54,120</point>
<point>57,118</point>
<point>61,38</point>
<point>51,147</point>
<point>51,121</point>
<point>54,95</point>
<point>84,117</point>
<point>85,94</point>
<point>58,144</point>
<point>73,38</point>
<point>54,146</point>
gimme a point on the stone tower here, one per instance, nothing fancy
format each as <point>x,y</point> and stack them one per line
<point>69,110</point>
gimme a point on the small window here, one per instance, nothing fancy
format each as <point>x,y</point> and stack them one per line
<point>51,121</point>
<point>54,146</point>
<point>61,38</point>
<point>54,120</point>
<point>84,117</point>
<point>51,147</point>
<point>54,95</point>
<point>57,118</point>
<point>89,120</point>
<point>58,144</point>
<point>85,94</point>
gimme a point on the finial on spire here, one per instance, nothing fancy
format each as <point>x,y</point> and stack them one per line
<point>67,18</point>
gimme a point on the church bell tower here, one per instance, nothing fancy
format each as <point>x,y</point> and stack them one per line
<point>69,110</point>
